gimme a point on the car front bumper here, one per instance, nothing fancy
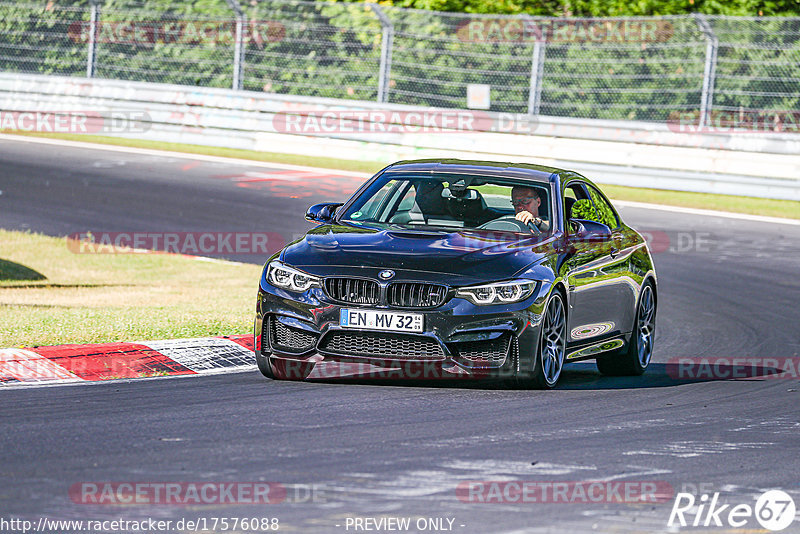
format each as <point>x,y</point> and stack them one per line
<point>302,336</point>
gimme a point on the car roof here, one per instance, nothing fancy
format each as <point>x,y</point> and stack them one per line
<point>539,173</point>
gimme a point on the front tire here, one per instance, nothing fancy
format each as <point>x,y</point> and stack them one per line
<point>635,358</point>
<point>264,366</point>
<point>283,369</point>
<point>551,347</point>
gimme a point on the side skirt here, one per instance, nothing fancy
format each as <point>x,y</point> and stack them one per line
<point>595,349</point>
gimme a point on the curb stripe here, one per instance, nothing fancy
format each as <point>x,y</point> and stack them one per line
<point>64,364</point>
<point>244,341</point>
<point>20,365</point>
<point>204,355</point>
<point>110,361</point>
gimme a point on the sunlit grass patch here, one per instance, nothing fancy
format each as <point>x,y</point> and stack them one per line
<point>92,298</point>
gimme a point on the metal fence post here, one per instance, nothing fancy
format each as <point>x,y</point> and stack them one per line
<point>238,46</point>
<point>91,52</point>
<point>387,39</point>
<point>710,69</point>
<point>537,65</point>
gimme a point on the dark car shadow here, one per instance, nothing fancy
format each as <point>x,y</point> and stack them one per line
<point>585,375</point>
<point>577,376</point>
<point>659,375</point>
<point>10,271</point>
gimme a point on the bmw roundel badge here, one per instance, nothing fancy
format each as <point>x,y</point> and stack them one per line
<point>386,274</point>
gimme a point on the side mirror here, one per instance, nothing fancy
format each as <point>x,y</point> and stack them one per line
<point>586,230</point>
<point>322,213</point>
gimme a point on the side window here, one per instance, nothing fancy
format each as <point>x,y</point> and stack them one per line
<point>577,204</point>
<point>496,196</point>
<point>583,209</point>
<point>408,200</point>
<point>370,210</point>
<point>606,214</point>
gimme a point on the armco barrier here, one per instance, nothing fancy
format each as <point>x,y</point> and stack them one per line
<point>634,154</point>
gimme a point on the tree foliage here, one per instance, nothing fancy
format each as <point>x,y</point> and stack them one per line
<point>608,8</point>
<point>333,49</point>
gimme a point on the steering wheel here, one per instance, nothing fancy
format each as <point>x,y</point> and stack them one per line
<point>509,223</point>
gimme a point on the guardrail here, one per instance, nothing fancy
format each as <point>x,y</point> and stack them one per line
<point>635,154</point>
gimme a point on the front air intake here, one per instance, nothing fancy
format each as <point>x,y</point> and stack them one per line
<point>285,338</point>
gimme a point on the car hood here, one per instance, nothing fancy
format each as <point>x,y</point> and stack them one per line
<point>466,254</point>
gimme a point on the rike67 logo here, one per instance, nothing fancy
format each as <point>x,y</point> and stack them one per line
<point>774,510</point>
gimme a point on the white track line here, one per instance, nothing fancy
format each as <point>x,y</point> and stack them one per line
<point>29,385</point>
<point>182,155</point>
<point>253,163</point>
<point>709,213</point>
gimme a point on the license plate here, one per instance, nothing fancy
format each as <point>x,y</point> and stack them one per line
<point>380,320</point>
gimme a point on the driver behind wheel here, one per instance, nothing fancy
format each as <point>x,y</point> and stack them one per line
<point>526,202</point>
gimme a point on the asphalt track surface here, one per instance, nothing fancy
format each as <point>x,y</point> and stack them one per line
<point>727,288</point>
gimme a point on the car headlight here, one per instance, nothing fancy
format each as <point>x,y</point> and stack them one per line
<point>499,293</point>
<point>279,275</point>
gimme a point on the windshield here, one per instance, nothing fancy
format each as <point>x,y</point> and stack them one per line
<point>453,201</point>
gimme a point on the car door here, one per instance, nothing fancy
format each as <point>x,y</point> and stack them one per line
<point>622,289</point>
<point>592,273</point>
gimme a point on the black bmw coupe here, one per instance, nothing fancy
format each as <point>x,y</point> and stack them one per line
<point>449,268</point>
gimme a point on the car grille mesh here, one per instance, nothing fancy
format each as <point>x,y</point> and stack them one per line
<point>415,295</point>
<point>289,339</point>
<point>375,344</point>
<point>353,290</point>
<point>491,352</point>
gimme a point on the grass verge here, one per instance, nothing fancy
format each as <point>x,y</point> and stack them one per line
<point>94,298</point>
<point>750,205</point>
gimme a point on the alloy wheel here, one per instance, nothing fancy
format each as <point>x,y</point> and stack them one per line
<point>553,342</point>
<point>646,325</point>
